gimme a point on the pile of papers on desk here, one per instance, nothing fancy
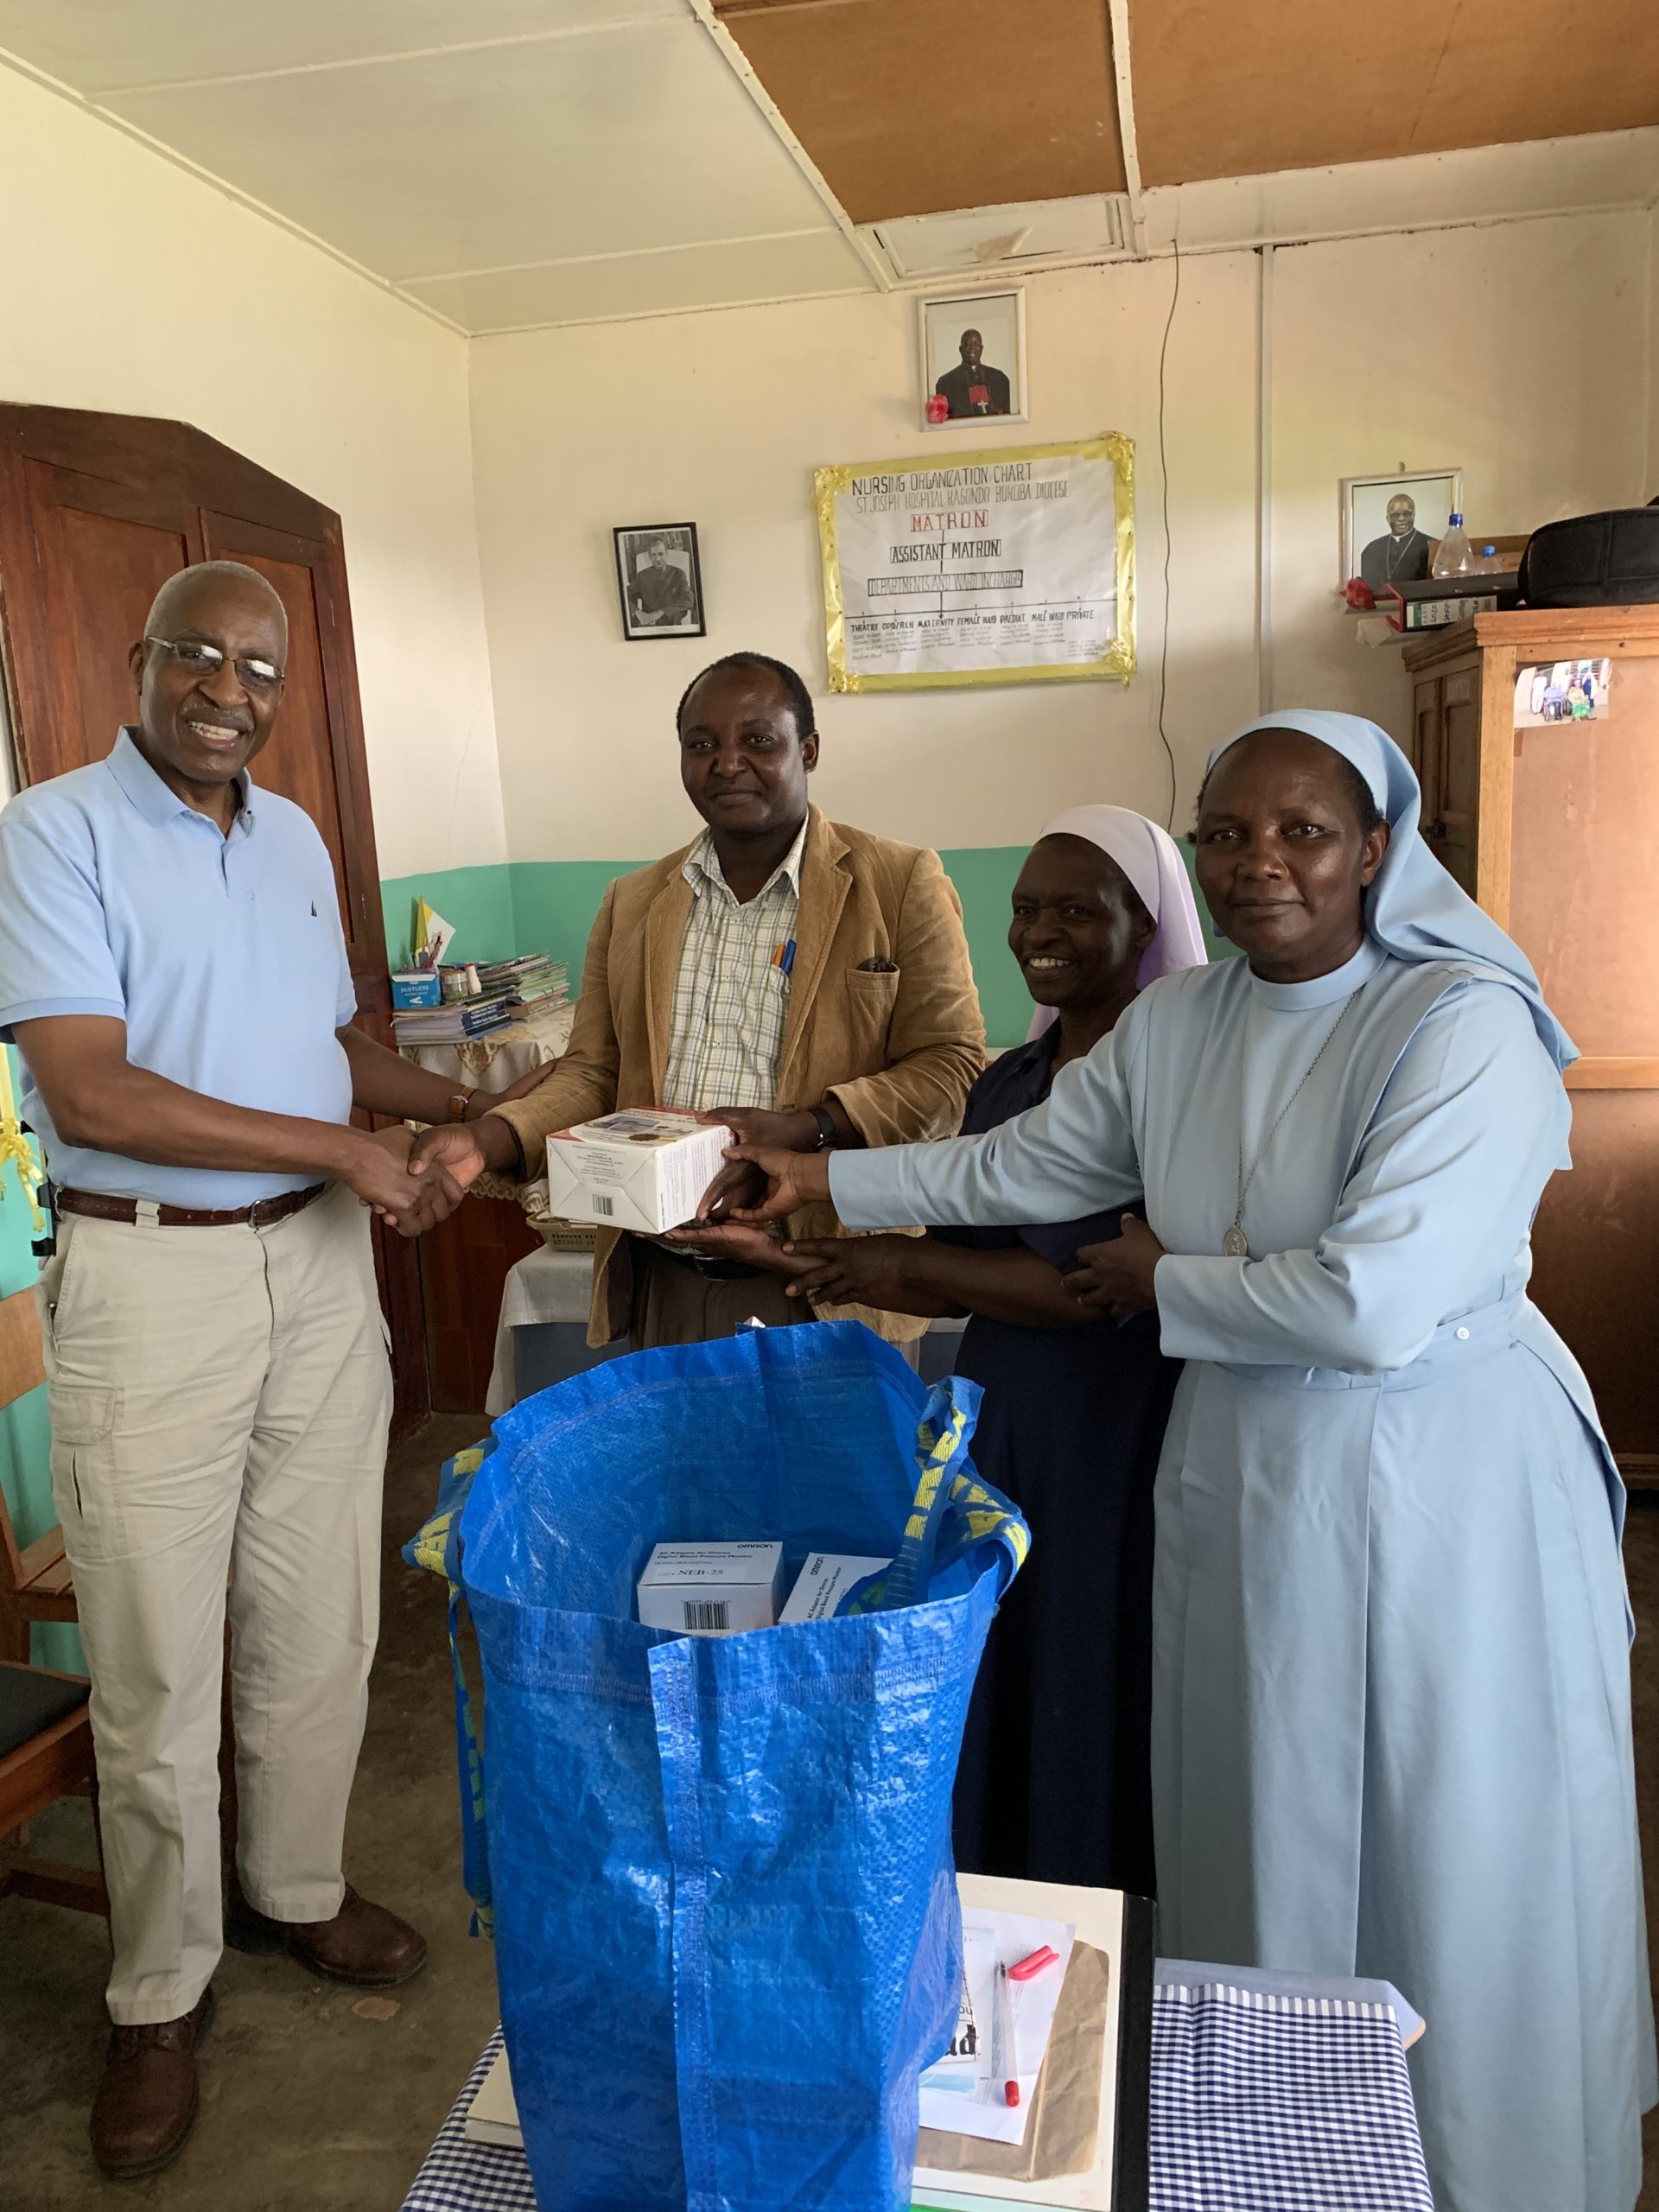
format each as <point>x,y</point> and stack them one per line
<point>450,1023</point>
<point>532,979</point>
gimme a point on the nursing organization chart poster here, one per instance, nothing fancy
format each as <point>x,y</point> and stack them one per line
<point>1009,567</point>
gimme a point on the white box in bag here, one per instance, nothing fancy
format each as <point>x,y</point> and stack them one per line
<point>641,1168</point>
<point>712,1589</point>
<point>823,1582</point>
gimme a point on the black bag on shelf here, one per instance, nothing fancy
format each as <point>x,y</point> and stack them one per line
<point>1606,560</point>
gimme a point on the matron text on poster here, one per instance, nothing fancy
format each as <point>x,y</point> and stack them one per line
<point>1012,567</point>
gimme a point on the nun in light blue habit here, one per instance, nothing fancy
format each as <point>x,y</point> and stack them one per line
<point>1391,1703</point>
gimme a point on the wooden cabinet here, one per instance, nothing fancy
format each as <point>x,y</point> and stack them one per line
<point>1554,830</point>
<point>464,1264</point>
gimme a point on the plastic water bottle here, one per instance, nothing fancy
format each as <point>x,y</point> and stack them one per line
<point>1489,564</point>
<point>1454,555</point>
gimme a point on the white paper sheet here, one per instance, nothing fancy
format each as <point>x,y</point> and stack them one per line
<point>1019,2012</point>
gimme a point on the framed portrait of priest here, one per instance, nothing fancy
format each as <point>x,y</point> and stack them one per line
<point>973,359</point>
<point>1389,523</point>
<point>659,581</point>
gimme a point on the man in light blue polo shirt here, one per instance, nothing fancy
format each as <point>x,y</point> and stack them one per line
<point>172,973</point>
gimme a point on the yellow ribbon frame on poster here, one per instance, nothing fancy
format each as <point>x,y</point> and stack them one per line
<point>1015,566</point>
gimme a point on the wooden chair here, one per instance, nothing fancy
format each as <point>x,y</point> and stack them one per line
<point>35,1584</point>
<point>46,1752</point>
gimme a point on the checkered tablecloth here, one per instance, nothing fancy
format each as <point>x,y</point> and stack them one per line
<point>1263,2100</point>
<point>1259,2101</point>
<point>463,2176</point>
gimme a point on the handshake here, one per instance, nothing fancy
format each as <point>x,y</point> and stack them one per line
<point>415,1181</point>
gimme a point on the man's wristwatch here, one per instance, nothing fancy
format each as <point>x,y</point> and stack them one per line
<point>458,1102</point>
<point>828,1133</point>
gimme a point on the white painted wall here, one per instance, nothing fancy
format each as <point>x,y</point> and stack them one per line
<point>129,285</point>
<point>721,418</point>
<point>1517,353</point>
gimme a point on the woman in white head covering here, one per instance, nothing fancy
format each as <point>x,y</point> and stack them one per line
<point>1391,1705</point>
<point>1055,1778</point>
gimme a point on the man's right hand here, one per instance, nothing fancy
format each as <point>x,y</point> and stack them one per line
<point>378,1172</point>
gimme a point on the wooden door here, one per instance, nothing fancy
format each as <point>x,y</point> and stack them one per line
<point>1445,753</point>
<point>1452,815</point>
<point>96,512</point>
<point>1424,742</point>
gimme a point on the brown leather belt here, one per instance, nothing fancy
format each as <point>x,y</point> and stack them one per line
<point>261,1215</point>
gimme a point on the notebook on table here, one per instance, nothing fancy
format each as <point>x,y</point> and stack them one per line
<point>1118,1929</point>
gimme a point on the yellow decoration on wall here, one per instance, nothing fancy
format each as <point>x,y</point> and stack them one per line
<point>16,1148</point>
<point>1025,555</point>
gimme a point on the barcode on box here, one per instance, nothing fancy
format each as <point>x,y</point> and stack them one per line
<point>602,1205</point>
<point>708,1614</point>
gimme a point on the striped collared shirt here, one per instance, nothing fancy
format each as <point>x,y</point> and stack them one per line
<point>731,991</point>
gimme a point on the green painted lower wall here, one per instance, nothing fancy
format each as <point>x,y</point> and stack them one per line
<point>549,905</point>
<point>477,901</point>
<point>984,876</point>
<point>25,1433</point>
<point>554,903</point>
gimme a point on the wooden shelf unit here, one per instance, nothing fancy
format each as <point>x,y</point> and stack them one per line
<point>1552,830</point>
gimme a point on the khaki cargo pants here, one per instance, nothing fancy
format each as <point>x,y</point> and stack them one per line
<point>219,1400</point>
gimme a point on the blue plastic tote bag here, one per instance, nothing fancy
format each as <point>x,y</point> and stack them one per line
<point>725,1910</point>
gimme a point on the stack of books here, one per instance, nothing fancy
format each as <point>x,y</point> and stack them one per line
<point>452,1024</point>
<point>532,979</point>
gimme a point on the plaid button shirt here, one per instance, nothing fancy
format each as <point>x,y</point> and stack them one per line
<point>731,998</point>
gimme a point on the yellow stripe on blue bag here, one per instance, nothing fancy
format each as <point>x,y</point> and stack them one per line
<point>981,1516</point>
<point>436,1547</point>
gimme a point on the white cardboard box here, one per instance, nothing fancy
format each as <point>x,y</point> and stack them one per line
<point>641,1168</point>
<point>823,1582</point>
<point>712,1589</point>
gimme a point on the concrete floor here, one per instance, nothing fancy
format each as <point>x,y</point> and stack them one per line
<point>306,2106</point>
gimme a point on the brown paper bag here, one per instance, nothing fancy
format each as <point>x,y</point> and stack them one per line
<point>1064,2131</point>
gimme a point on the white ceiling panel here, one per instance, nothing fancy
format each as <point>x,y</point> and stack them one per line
<point>95,45</point>
<point>489,156</point>
<point>724,275</point>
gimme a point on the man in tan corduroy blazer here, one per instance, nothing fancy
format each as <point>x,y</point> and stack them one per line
<point>877,1039</point>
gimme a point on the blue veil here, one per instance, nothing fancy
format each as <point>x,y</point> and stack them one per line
<point>1414,909</point>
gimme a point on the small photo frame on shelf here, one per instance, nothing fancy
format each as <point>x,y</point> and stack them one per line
<point>973,358</point>
<point>1388,523</point>
<point>659,581</point>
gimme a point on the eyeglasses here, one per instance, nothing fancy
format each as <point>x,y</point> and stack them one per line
<point>202,659</point>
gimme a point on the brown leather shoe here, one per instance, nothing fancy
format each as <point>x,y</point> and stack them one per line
<point>363,1944</point>
<point>146,2104</point>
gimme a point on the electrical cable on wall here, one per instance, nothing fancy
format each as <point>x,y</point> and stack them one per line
<point>1163,478</point>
